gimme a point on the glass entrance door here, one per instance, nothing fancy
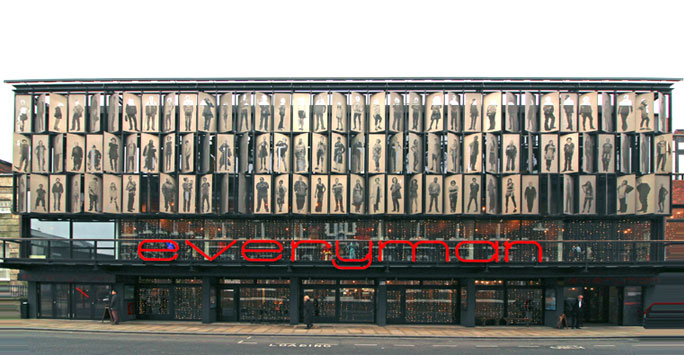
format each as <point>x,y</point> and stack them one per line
<point>88,301</point>
<point>54,300</point>
<point>324,304</point>
<point>228,305</point>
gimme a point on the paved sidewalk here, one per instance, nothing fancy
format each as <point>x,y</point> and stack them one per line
<point>349,330</point>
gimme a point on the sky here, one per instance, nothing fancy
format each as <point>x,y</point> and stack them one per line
<point>202,39</point>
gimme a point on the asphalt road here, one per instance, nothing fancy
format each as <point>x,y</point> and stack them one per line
<point>49,342</point>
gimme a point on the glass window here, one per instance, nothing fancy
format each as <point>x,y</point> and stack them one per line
<point>95,230</point>
<point>49,229</point>
<point>264,304</point>
<point>357,305</point>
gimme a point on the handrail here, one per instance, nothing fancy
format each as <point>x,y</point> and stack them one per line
<point>662,304</point>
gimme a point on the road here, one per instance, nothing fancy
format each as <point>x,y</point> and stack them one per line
<point>49,342</point>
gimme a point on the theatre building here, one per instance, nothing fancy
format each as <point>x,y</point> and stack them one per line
<point>408,200</point>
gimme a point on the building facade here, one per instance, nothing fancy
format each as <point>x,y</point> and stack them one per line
<point>428,201</point>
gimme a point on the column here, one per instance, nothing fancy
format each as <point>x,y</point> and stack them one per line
<point>294,300</point>
<point>381,302</point>
<point>209,300</point>
<point>468,307</point>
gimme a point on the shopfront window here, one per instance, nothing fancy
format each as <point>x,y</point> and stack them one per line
<point>104,232</point>
<point>49,248</point>
<point>357,304</point>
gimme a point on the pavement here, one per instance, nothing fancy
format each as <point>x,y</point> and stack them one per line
<point>338,330</point>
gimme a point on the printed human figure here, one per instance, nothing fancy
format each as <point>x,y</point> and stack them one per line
<point>474,113</point>
<point>377,152</point>
<point>113,154</point>
<point>339,116</point>
<point>510,187</point>
<point>150,154</point>
<point>208,114</point>
<point>281,113</point>
<point>586,113</point>
<point>150,113</point>
<point>262,154</point>
<point>357,110</point>
<point>225,109</point>
<point>493,148</point>
<point>531,112</point>
<point>40,114</point>
<point>40,155</point>
<point>588,190</point>
<point>187,154</point>
<point>416,107</point>
<point>455,108</point>
<point>23,115</point>
<point>131,111</point>
<point>622,192</point>
<point>131,188</point>
<point>243,113</point>
<point>395,156</point>
<point>455,155</point>
<point>530,196</point>
<point>625,108</point>
<point>606,154</point>
<point>187,194</point>
<point>569,197</point>
<point>549,114</point>
<point>413,195</point>
<point>491,190</point>
<point>319,193</point>
<point>114,196</point>
<point>474,151</point>
<point>549,154</point>
<point>21,199</point>
<point>113,113</point>
<point>643,189</point>
<point>662,149</point>
<point>24,155</point>
<point>262,194</point>
<point>357,154</point>
<point>357,196</point>
<point>76,116</point>
<point>225,153</point>
<point>281,155</point>
<point>94,194</point>
<point>300,190</point>
<point>398,114</point>
<point>205,196</point>
<point>337,189</point>
<point>94,159</point>
<point>626,155</point>
<point>415,150</point>
<point>436,155</point>
<point>300,155</point>
<point>338,154</point>
<point>168,153</point>
<point>377,117</point>
<point>473,195</point>
<point>453,196</point>
<point>319,110</point>
<point>168,194</point>
<point>395,190</point>
<point>301,114</point>
<point>40,198</point>
<point>280,195</point>
<point>569,108</point>
<point>168,110</point>
<point>77,156</point>
<point>58,116</point>
<point>188,109</point>
<point>265,108</point>
<point>434,189</point>
<point>130,156</point>
<point>57,191</point>
<point>320,155</point>
<point>662,194</point>
<point>512,113</point>
<point>511,156</point>
<point>378,196</point>
<point>491,115</point>
<point>569,150</point>
<point>435,112</point>
<point>589,153</point>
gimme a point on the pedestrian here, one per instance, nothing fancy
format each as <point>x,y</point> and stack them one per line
<point>308,312</point>
<point>527,309</point>
<point>578,313</point>
<point>114,306</point>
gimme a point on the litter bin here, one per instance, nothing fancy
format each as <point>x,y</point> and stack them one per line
<point>24,309</point>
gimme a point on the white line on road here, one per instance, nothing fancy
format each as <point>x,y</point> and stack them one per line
<point>486,346</point>
<point>247,342</point>
<point>604,345</point>
<point>528,346</point>
<point>404,345</point>
<point>366,344</point>
<point>445,345</point>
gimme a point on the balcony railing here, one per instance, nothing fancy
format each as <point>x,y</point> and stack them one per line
<point>244,251</point>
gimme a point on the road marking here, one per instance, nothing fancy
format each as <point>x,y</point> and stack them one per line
<point>604,345</point>
<point>246,342</point>
<point>366,344</point>
<point>486,346</point>
<point>567,347</point>
<point>404,345</point>
<point>647,345</point>
<point>445,345</point>
<point>528,346</point>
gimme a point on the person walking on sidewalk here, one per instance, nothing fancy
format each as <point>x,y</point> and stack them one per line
<point>578,313</point>
<point>114,307</point>
<point>308,312</point>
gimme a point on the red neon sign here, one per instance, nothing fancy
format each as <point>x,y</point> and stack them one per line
<point>270,250</point>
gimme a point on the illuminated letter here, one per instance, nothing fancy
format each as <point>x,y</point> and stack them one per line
<point>413,247</point>
<point>295,243</point>
<point>165,241</point>
<point>494,245</point>
<point>205,255</point>
<point>279,250</point>
<point>369,258</point>
<point>508,245</point>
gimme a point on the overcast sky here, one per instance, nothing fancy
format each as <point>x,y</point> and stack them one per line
<point>199,39</point>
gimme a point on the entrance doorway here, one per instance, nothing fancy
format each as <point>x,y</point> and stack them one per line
<point>169,299</point>
<point>73,301</point>
<point>54,300</point>
<point>509,302</point>
<point>253,300</point>
<point>426,302</point>
<point>340,301</point>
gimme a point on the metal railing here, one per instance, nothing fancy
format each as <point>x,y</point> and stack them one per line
<point>242,251</point>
